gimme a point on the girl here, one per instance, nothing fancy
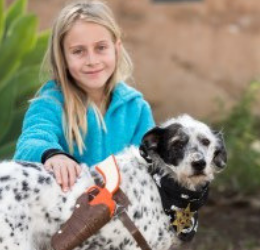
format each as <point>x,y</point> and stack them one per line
<point>86,112</point>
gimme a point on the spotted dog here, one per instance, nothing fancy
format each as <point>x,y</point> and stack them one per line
<point>166,181</point>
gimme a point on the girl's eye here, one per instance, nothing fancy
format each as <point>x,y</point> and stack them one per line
<point>77,52</point>
<point>205,142</point>
<point>101,48</point>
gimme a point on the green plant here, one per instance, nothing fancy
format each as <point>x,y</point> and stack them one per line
<point>21,50</point>
<point>242,131</point>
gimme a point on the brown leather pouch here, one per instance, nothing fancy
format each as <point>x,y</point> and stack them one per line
<point>85,221</point>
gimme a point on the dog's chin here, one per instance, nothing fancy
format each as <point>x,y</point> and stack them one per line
<point>198,174</point>
<point>194,181</point>
<point>198,179</point>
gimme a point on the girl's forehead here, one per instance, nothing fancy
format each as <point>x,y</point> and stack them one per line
<point>87,32</point>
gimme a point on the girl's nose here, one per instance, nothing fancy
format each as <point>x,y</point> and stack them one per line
<point>91,59</point>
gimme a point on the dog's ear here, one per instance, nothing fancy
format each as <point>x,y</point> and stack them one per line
<point>150,139</point>
<point>220,154</point>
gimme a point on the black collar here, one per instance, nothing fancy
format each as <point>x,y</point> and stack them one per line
<point>173,195</point>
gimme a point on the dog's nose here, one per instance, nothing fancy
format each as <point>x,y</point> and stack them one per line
<point>198,165</point>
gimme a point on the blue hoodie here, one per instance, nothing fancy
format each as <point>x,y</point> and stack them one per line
<point>127,119</point>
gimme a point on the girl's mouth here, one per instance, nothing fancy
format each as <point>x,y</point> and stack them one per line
<point>93,72</point>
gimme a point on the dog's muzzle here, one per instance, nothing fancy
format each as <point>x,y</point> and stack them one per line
<point>198,166</point>
<point>198,162</point>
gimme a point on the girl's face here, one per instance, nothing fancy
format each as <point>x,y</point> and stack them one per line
<point>90,55</point>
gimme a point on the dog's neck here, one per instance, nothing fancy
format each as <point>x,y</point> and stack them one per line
<point>175,197</point>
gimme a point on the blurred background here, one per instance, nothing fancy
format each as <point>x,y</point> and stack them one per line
<point>196,57</point>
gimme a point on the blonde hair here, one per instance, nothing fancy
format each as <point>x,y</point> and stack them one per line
<point>75,122</point>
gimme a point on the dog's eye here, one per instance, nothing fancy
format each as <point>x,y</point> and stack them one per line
<point>178,144</point>
<point>205,141</point>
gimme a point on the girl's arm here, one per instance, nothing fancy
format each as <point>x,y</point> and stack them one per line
<point>42,129</point>
<point>40,141</point>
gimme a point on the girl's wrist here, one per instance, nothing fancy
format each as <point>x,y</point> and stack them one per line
<point>51,152</point>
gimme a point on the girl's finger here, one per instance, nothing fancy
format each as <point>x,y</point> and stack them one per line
<point>57,173</point>
<point>78,170</point>
<point>65,178</point>
<point>72,175</point>
<point>47,166</point>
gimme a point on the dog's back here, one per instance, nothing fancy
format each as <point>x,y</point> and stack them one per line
<point>33,207</point>
<point>32,204</point>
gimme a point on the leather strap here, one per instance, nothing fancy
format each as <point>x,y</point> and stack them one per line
<point>123,202</point>
<point>128,223</point>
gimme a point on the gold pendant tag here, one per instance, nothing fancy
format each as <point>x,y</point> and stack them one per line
<point>183,219</point>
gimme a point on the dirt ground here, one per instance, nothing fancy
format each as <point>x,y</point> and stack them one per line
<point>188,57</point>
<point>229,224</point>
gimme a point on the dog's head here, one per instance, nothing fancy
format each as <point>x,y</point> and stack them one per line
<point>186,149</point>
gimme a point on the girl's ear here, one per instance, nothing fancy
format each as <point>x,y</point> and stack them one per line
<point>118,46</point>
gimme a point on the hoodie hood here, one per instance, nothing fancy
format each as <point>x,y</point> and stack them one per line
<point>123,94</point>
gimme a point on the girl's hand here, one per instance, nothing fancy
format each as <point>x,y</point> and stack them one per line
<point>65,170</point>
